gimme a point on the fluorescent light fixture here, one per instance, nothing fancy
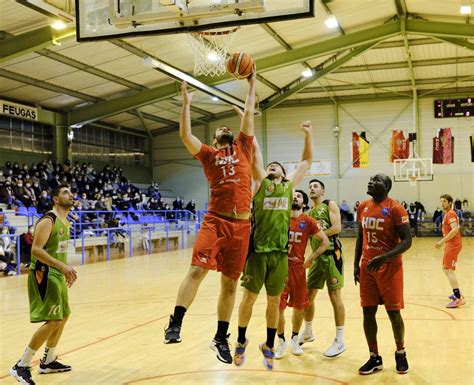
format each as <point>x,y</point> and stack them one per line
<point>212,56</point>
<point>58,25</point>
<point>331,22</point>
<point>180,75</point>
<point>307,73</point>
<point>465,9</point>
<point>215,99</point>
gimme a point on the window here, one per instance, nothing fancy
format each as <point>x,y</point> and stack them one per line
<point>19,135</point>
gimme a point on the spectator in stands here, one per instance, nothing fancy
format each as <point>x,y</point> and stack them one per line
<point>8,196</point>
<point>413,217</point>
<point>30,193</point>
<point>2,177</point>
<point>405,205</point>
<point>26,240</point>
<point>420,211</point>
<point>85,202</point>
<point>345,210</point>
<point>44,203</point>
<point>437,219</point>
<point>191,206</point>
<point>177,204</point>
<point>22,194</point>
<point>7,169</point>
<point>6,252</point>
<point>458,208</point>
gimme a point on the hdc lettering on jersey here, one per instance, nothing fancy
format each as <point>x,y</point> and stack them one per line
<point>275,203</point>
<point>223,160</point>
<point>295,237</point>
<point>372,223</point>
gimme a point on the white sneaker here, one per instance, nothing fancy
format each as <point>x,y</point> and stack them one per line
<point>295,346</point>
<point>306,336</point>
<point>335,349</point>
<point>280,350</point>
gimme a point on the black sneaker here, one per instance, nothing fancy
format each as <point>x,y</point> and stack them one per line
<point>374,364</point>
<point>221,347</point>
<point>22,374</point>
<point>53,367</point>
<point>402,363</point>
<point>172,332</point>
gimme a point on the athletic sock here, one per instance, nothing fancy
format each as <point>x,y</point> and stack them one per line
<point>270,337</point>
<point>457,293</point>
<point>25,360</point>
<point>293,334</point>
<point>222,327</point>
<point>340,334</point>
<point>374,349</point>
<point>178,315</point>
<point>308,327</point>
<point>241,338</point>
<point>282,336</point>
<point>48,355</point>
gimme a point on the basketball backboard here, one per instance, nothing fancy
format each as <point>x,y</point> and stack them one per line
<point>108,19</point>
<point>413,170</point>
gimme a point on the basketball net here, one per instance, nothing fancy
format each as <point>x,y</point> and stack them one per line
<point>210,51</point>
<point>412,179</point>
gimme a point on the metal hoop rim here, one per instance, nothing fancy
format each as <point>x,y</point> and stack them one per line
<point>212,33</point>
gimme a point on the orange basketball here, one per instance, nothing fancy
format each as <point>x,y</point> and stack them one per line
<point>239,65</point>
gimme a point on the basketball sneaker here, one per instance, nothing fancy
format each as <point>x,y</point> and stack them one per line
<point>295,346</point>
<point>402,363</point>
<point>268,355</point>
<point>221,347</point>
<point>457,302</point>
<point>22,374</point>
<point>306,336</point>
<point>53,367</point>
<point>239,354</point>
<point>281,348</point>
<point>452,297</point>
<point>172,332</point>
<point>335,349</point>
<point>374,364</point>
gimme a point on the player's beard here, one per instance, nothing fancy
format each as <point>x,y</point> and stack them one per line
<point>225,138</point>
<point>296,206</point>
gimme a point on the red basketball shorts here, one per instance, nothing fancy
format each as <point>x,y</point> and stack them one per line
<point>450,257</point>
<point>384,287</point>
<point>222,244</point>
<point>295,293</point>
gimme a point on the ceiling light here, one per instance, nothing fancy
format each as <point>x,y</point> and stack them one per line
<point>465,9</point>
<point>307,73</point>
<point>215,99</point>
<point>212,56</point>
<point>59,25</point>
<point>331,22</point>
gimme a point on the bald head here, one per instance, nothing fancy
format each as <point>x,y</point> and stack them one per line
<point>379,185</point>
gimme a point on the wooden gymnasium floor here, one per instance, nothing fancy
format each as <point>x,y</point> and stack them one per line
<point>120,309</point>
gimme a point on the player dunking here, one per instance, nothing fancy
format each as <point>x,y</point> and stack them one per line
<point>222,241</point>
<point>267,263</point>
<point>383,235</point>
<point>48,282</point>
<point>295,294</point>
<point>453,245</point>
<point>328,268</point>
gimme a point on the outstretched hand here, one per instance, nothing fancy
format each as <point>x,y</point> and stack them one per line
<point>187,97</point>
<point>307,127</point>
<point>239,111</point>
<point>252,78</point>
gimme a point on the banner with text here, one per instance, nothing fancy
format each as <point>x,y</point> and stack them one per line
<point>318,168</point>
<point>19,111</point>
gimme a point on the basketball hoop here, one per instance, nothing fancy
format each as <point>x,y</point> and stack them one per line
<point>210,51</point>
<point>412,179</point>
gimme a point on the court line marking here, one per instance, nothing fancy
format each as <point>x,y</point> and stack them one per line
<point>235,371</point>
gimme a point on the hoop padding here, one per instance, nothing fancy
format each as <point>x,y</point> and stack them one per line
<point>210,51</point>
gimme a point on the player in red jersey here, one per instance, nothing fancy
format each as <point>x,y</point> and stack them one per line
<point>453,245</point>
<point>222,241</point>
<point>384,234</point>
<point>295,293</point>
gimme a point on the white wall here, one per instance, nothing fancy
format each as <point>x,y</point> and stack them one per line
<point>285,142</point>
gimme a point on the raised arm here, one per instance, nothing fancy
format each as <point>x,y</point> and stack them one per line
<point>247,119</point>
<point>307,157</point>
<point>258,172</point>
<point>192,143</point>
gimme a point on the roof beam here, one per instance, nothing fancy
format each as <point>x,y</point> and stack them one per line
<point>437,28</point>
<point>303,82</point>
<point>459,42</point>
<point>297,55</point>
<point>32,41</point>
<point>393,83</point>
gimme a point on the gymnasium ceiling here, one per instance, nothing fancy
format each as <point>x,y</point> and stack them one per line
<point>382,49</point>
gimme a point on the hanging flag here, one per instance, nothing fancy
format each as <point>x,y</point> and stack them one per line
<point>360,150</point>
<point>443,147</point>
<point>399,146</point>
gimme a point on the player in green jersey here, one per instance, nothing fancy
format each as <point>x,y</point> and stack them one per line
<point>267,263</point>
<point>48,282</point>
<point>328,268</point>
